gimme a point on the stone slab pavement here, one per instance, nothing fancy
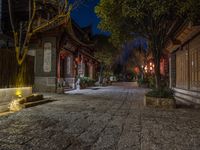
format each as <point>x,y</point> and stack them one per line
<point>101,118</point>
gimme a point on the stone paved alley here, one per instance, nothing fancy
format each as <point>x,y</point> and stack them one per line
<point>106,118</point>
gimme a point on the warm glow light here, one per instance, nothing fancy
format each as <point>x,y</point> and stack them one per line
<point>136,70</point>
<point>150,64</point>
<point>151,68</point>
<point>14,95</point>
<point>145,68</point>
<point>19,93</point>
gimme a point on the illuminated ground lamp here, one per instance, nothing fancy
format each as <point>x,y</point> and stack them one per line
<point>19,93</point>
<point>16,104</point>
<point>17,97</point>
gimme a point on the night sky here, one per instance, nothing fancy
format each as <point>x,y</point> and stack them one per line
<point>84,15</point>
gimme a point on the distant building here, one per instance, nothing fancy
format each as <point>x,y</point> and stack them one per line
<point>184,61</point>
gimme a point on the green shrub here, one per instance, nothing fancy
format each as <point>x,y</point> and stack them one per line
<point>143,81</point>
<point>86,81</point>
<point>151,81</point>
<point>161,93</point>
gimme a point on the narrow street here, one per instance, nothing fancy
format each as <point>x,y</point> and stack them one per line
<point>105,118</point>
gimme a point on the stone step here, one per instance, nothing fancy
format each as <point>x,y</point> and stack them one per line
<point>4,107</point>
<point>35,103</point>
<point>65,90</point>
<point>34,98</point>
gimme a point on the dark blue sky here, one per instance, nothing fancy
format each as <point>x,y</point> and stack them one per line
<point>84,15</point>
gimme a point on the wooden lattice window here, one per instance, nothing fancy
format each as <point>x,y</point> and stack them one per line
<point>182,69</point>
<point>194,69</point>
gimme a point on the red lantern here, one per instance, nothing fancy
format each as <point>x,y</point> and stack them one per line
<point>136,70</point>
<point>77,59</point>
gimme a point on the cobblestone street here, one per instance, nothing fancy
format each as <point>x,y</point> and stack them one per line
<point>105,118</point>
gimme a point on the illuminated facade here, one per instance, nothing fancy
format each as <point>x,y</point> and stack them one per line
<point>185,62</point>
<point>63,52</point>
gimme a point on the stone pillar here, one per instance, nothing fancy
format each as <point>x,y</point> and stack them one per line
<point>91,71</point>
<point>65,67</point>
<point>172,70</point>
<point>82,66</point>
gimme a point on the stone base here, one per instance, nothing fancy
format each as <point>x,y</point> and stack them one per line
<point>186,96</point>
<point>43,88</point>
<point>70,82</point>
<point>60,90</point>
<point>159,102</point>
<point>45,84</point>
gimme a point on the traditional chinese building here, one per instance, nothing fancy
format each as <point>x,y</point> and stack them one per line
<point>63,51</point>
<point>184,61</point>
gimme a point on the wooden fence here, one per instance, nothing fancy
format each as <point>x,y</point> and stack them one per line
<point>13,75</point>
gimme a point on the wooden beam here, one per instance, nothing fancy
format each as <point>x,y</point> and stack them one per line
<point>176,42</point>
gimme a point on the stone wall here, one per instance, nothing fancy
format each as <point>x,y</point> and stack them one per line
<point>45,81</point>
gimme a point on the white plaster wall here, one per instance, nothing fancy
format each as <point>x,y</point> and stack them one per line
<point>8,94</point>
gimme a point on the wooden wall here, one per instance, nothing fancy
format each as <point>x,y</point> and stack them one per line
<point>194,56</point>
<point>188,66</point>
<point>12,75</point>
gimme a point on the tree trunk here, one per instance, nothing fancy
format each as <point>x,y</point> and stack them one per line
<point>101,73</point>
<point>157,73</point>
<point>157,55</point>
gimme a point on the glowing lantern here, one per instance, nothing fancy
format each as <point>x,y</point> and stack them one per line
<point>145,68</point>
<point>151,68</point>
<point>77,59</point>
<point>136,70</point>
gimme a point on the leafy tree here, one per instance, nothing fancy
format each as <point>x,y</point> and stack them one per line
<point>190,9</point>
<point>151,19</point>
<point>24,29</point>
<point>105,54</point>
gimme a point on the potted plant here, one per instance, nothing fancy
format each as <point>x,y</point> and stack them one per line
<point>160,98</point>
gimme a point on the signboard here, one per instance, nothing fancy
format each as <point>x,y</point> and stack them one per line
<point>47,57</point>
<point>68,65</point>
<point>91,71</point>
<point>81,69</point>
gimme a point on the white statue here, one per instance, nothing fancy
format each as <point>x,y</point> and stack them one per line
<point>78,84</point>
